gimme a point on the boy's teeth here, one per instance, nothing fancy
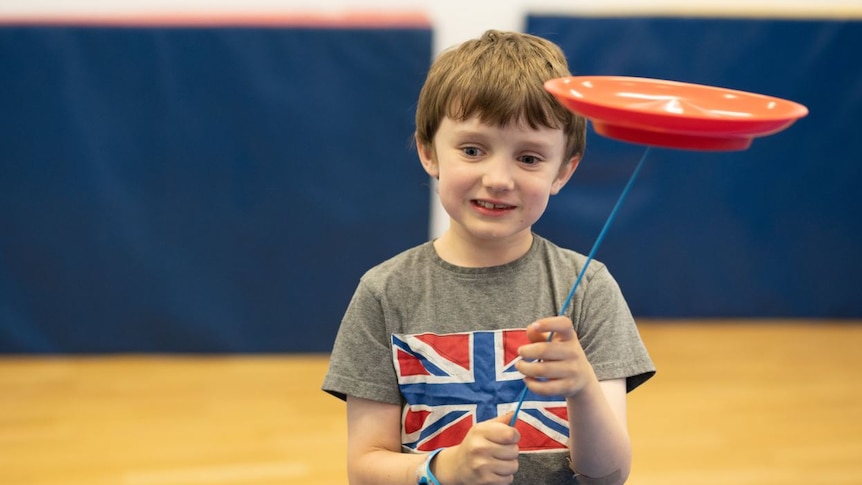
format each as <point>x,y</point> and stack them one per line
<point>489,205</point>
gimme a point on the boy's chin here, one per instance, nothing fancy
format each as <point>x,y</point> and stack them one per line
<point>499,234</point>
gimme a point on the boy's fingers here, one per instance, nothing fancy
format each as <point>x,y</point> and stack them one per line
<point>561,327</point>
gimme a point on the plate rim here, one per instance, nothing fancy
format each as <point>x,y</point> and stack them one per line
<point>553,86</point>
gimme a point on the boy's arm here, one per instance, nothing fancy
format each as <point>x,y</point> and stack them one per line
<point>599,442</point>
<point>374,445</point>
<point>488,454</point>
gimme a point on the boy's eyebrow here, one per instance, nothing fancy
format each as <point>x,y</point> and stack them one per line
<point>537,142</point>
<point>545,145</point>
<point>468,131</point>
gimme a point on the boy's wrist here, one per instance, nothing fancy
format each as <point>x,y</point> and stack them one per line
<point>590,387</point>
<point>444,468</point>
<point>424,473</point>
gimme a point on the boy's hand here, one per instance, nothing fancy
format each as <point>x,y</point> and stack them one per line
<point>558,367</point>
<point>488,455</point>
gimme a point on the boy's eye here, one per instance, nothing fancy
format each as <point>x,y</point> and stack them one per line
<point>471,151</point>
<point>530,160</point>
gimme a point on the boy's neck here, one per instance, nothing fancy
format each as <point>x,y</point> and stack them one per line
<point>474,253</point>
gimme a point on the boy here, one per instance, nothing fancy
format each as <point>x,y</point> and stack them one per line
<point>436,344</point>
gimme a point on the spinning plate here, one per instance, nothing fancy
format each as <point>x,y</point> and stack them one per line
<point>674,114</point>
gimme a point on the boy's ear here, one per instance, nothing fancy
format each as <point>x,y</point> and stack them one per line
<point>566,172</point>
<point>426,156</point>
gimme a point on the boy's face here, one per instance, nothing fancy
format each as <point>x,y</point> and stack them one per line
<point>495,182</point>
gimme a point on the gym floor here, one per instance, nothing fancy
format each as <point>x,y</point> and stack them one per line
<point>742,402</point>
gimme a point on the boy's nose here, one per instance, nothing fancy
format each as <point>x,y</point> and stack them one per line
<point>498,175</point>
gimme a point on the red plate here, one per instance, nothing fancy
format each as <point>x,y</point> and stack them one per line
<point>673,114</point>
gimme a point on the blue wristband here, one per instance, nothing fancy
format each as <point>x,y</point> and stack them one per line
<point>423,473</point>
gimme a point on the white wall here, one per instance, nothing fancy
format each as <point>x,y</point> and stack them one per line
<point>453,20</point>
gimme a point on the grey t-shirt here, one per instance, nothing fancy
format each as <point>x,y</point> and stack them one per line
<point>421,333</point>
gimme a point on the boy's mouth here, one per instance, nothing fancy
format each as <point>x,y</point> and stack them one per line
<point>492,206</point>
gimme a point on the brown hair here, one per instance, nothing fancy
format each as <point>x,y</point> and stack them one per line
<point>499,77</point>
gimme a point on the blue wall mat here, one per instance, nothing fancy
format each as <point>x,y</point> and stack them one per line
<point>201,189</point>
<point>773,231</point>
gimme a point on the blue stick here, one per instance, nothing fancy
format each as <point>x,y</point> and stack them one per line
<point>596,245</point>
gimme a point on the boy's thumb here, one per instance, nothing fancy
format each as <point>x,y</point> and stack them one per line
<point>505,418</point>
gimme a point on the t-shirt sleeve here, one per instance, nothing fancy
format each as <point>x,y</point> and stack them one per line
<point>608,333</point>
<point>361,361</point>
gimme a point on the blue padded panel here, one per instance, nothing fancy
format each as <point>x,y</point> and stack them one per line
<point>773,231</point>
<point>201,189</point>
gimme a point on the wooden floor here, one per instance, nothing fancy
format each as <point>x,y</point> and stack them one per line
<point>743,403</point>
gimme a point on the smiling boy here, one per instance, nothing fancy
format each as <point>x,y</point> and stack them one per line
<point>438,342</point>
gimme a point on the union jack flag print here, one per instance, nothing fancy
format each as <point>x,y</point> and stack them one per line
<point>451,382</point>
